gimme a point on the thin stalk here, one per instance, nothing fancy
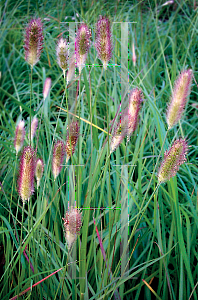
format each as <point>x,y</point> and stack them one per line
<point>20,261</point>
<point>30,100</point>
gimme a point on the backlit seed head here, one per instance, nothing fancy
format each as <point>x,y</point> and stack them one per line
<point>34,125</point>
<point>135,99</point>
<point>71,70</point>
<point>58,158</point>
<point>46,88</point>
<point>72,225</point>
<point>179,98</point>
<point>62,53</point>
<point>82,45</point>
<point>39,171</point>
<point>119,132</point>
<point>103,42</point>
<point>33,41</point>
<point>173,158</point>
<point>19,136</point>
<point>72,138</point>
<point>26,173</point>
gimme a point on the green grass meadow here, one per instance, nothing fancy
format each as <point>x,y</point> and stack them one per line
<point>139,239</point>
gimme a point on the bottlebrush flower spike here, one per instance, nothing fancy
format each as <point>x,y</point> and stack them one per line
<point>134,58</point>
<point>135,99</point>
<point>26,173</point>
<point>179,98</point>
<point>34,125</point>
<point>39,171</point>
<point>119,133</point>
<point>173,158</point>
<point>46,88</point>
<point>82,45</point>
<point>103,42</point>
<point>72,225</point>
<point>33,41</point>
<point>19,136</point>
<point>72,138</point>
<point>58,157</point>
<point>72,64</point>
<point>62,53</point>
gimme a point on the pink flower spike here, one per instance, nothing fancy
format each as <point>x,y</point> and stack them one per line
<point>72,225</point>
<point>26,173</point>
<point>58,157</point>
<point>82,45</point>
<point>46,88</point>
<point>39,171</point>
<point>134,58</point>
<point>103,42</point>
<point>173,159</point>
<point>72,65</point>
<point>72,138</point>
<point>135,99</point>
<point>62,53</point>
<point>179,98</point>
<point>33,41</point>
<point>34,125</point>
<point>19,136</point>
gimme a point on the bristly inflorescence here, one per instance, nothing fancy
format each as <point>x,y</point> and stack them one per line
<point>62,53</point>
<point>72,138</point>
<point>39,170</point>
<point>135,99</point>
<point>33,41</point>
<point>179,98</point>
<point>119,133</point>
<point>82,45</point>
<point>47,87</point>
<point>26,173</point>
<point>173,158</point>
<point>19,136</point>
<point>34,125</point>
<point>72,225</point>
<point>103,42</point>
<point>58,158</point>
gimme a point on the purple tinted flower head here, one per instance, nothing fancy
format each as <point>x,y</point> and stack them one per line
<point>19,136</point>
<point>135,99</point>
<point>62,53</point>
<point>26,173</point>
<point>34,125</point>
<point>33,41</point>
<point>173,158</point>
<point>46,88</point>
<point>72,225</point>
<point>72,138</point>
<point>103,42</point>
<point>119,133</point>
<point>82,45</point>
<point>58,157</point>
<point>39,171</point>
<point>179,98</point>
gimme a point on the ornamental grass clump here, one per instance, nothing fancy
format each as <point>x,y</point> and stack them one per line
<point>82,45</point>
<point>179,98</point>
<point>39,171</point>
<point>72,225</point>
<point>33,41</point>
<point>58,158</point>
<point>62,53</point>
<point>103,42</point>
<point>26,173</point>
<point>72,138</point>
<point>19,136</point>
<point>173,159</point>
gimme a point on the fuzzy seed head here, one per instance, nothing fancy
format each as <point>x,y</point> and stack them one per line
<point>179,98</point>
<point>134,58</point>
<point>34,125</point>
<point>82,45</point>
<point>135,99</point>
<point>72,138</point>
<point>72,225</point>
<point>26,173</point>
<point>119,133</point>
<point>33,41</point>
<point>19,136</point>
<point>71,70</point>
<point>46,88</point>
<point>103,42</point>
<point>39,171</point>
<point>62,53</point>
<point>58,158</point>
<point>173,158</point>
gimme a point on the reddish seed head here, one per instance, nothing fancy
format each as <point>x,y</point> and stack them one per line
<point>46,88</point>
<point>118,135</point>
<point>33,41</point>
<point>72,138</point>
<point>72,225</point>
<point>173,158</point>
<point>179,98</point>
<point>58,158</point>
<point>26,173</point>
<point>34,125</point>
<point>103,42</point>
<point>39,171</point>
<point>19,136</point>
<point>82,45</point>
<point>135,99</point>
<point>62,53</point>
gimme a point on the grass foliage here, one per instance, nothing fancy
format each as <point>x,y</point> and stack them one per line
<point>162,227</point>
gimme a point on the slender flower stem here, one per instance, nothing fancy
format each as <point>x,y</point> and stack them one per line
<point>31,92</point>
<point>20,262</point>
